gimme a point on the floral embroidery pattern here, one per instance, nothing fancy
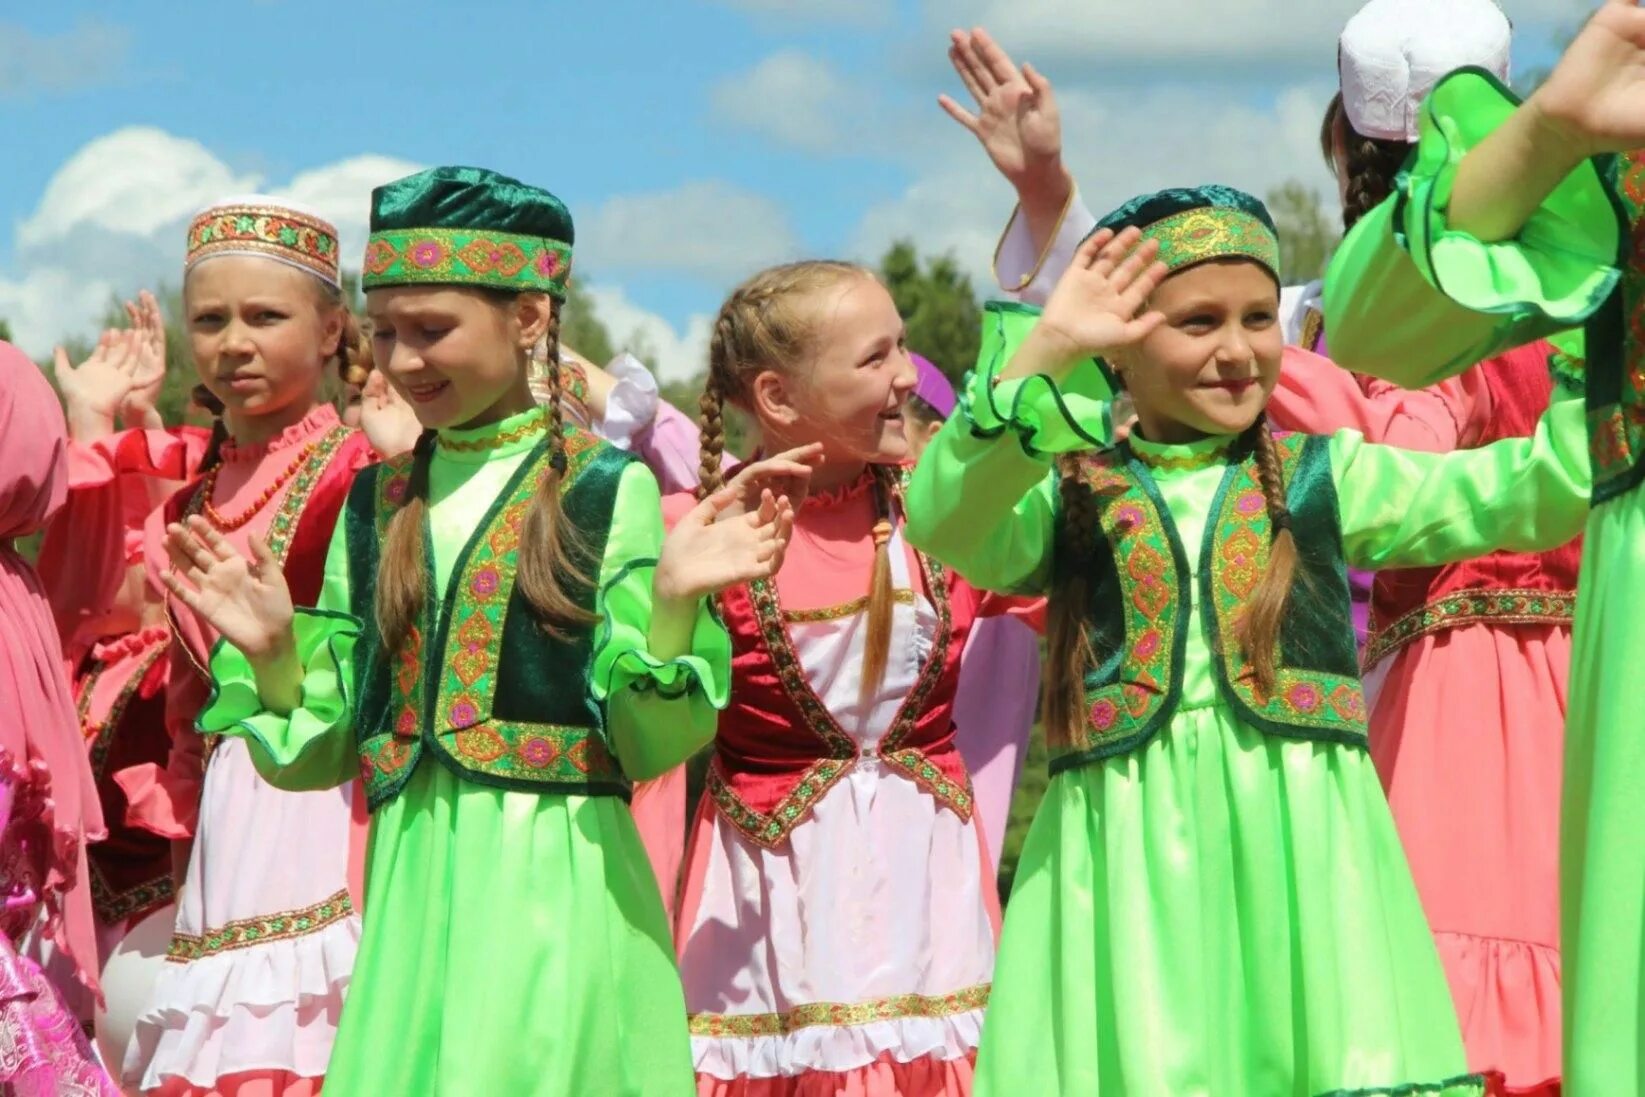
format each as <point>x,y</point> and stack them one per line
<point>1213,232</point>
<point>772,830</point>
<point>1501,607</point>
<point>281,233</point>
<point>1300,698</point>
<point>1616,428</point>
<point>396,257</point>
<point>463,725</point>
<point>839,1015</point>
<point>1151,600</point>
<point>186,948</point>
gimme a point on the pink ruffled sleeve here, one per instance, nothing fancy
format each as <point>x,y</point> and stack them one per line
<point>1316,396</point>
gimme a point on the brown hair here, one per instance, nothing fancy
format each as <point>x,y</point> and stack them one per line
<point>763,325</point>
<point>1371,164</point>
<point>1069,647</point>
<point>551,569</point>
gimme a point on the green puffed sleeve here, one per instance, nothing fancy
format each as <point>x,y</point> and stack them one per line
<point>1402,509</point>
<point>983,496</point>
<point>312,747</point>
<point>658,712</point>
<point>1411,300</point>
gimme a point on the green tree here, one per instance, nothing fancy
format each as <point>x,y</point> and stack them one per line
<point>937,302</point>
<point>581,328</point>
<point>1306,235</point>
<point>5,331</point>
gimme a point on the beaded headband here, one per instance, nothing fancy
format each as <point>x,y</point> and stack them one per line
<point>458,257</point>
<point>1213,232</point>
<point>264,227</point>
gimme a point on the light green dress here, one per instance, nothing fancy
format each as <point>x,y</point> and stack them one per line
<point>1408,298</point>
<point>1220,912</point>
<point>514,942</point>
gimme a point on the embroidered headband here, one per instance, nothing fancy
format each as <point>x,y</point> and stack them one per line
<point>1197,224</point>
<point>269,228</point>
<point>468,227</point>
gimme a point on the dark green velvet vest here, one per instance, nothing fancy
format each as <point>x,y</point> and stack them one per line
<point>479,686</point>
<point>1615,347</point>
<point>1139,611</point>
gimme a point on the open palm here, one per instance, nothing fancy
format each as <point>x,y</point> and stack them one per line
<point>148,349</point>
<point>391,426</point>
<point>707,552</point>
<point>1016,118</point>
<point>94,390</point>
<point>1598,87</point>
<point>247,601</point>
<point>1097,306</point>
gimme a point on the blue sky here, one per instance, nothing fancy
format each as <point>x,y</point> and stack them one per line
<point>695,140</point>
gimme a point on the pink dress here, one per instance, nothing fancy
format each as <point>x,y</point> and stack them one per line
<point>267,922</point>
<point>48,809</point>
<point>853,955</point>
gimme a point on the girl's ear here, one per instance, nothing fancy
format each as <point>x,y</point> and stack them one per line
<point>772,400</point>
<point>532,314</point>
<point>331,332</point>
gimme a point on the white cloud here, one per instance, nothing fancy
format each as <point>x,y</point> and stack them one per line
<point>90,55</point>
<point>671,354</point>
<point>861,13</point>
<point>711,228</point>
<point>1232,33</point>
<point>113,219</point>
<point>797,99</point>
<point>1139,141</point>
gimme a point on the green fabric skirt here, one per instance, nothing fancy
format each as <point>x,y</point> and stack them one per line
<point>1218,913</point>
<point>1602,840</point>
<point>514,943</point>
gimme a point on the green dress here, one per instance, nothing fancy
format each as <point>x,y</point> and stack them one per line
<point>514,942</point>
<point>1220,911</point>
<point>1407,298</point>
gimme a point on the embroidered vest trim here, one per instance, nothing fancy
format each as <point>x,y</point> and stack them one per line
<point>453,683</point>
<point>1615,349</point>
<point>1136,688</point>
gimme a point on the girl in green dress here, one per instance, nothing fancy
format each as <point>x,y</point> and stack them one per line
<point>1212,898</point>
<point>503,643</point>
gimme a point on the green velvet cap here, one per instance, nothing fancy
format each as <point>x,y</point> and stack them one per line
<point>468,227</point>
<point>1198,224</point>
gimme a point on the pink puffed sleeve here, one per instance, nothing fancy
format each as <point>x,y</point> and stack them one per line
<point>1316,396</point>
<point>167,800</point>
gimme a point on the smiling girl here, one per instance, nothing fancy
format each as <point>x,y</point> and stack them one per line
<point>837,925</point>
<point>266,927</point>
<point>1212,898</point>
<point>503,641</point>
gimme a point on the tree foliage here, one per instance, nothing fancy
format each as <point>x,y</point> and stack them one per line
<point>1306,235</point>
<point>937,302</point>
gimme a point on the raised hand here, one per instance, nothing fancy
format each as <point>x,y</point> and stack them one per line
<point>149,354</point>
<point>708,551</point>
<point>390,425</point>
<point>1596,94</point>
<point>247,601</point>
<point>786,475</point>
<point>94,391</point>
<point>1016,119</point>
<point>1098,304</point>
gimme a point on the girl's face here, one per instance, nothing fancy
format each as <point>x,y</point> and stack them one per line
<point>458,356</point>
<point>1209,368</point>
<point>261,332</point>
<point>849,395</point>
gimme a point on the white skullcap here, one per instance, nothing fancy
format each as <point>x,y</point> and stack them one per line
<point>1393,52</point>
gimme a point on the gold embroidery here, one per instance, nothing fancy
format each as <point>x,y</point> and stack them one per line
<point>186,948</point>
<point>1471,607</point>
<point>841,611</point>
<point>537,424</point>
<point>1188,462</point>
<point>839,1014</point>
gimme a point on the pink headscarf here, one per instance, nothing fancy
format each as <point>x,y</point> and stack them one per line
<point>43,847</point>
